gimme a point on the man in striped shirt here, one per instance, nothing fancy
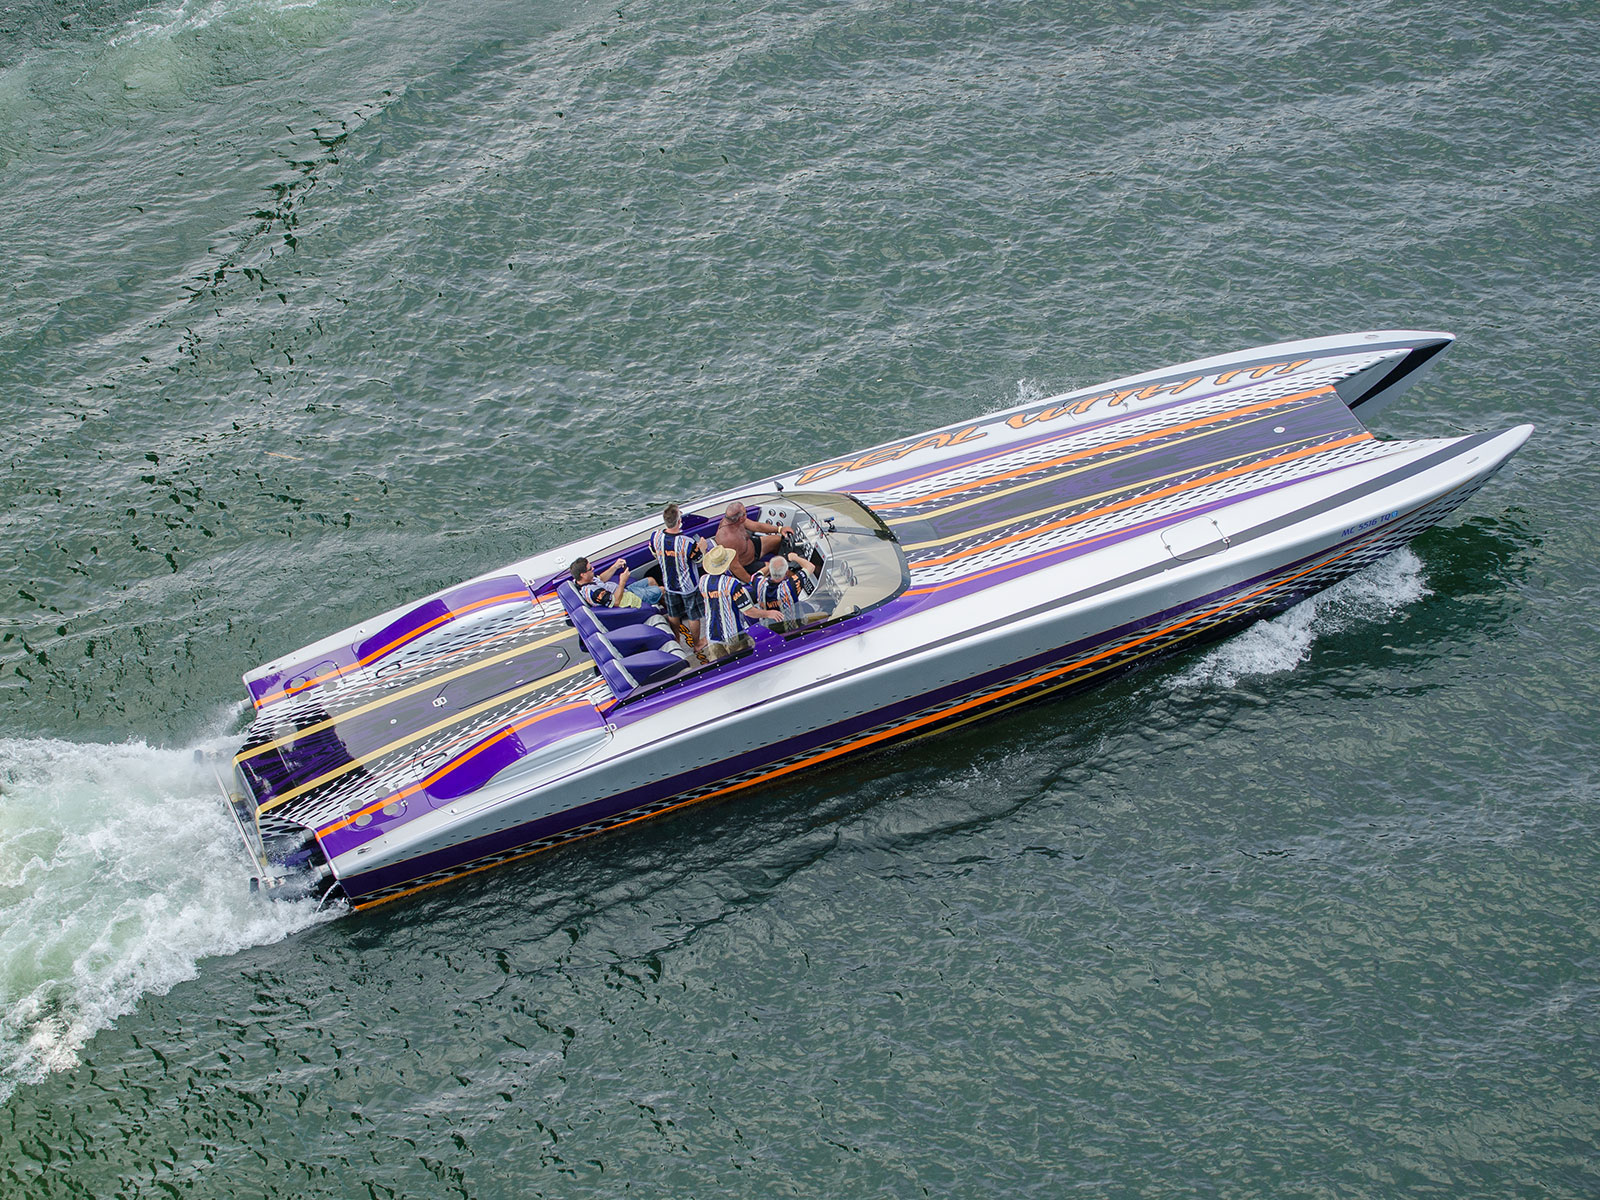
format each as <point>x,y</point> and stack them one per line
<point>680,581</point>
<point>599,591</point>
<point>778,587</point>
<point>728,606</point>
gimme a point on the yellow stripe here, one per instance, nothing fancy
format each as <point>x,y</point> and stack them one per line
<point>431,681</point>
<point>345,768</point>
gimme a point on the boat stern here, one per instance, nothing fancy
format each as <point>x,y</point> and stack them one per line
<point>286,861</point>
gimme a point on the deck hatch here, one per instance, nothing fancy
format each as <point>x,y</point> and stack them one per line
<point>1189,540</point>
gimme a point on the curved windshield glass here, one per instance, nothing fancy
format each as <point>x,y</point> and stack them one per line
<point>855,561</point>
<point>859,563</point>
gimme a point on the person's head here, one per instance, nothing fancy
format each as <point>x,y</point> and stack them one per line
<point>717,560</point>
<point>734,513</point>
<point>672,516</point>
<point>777,566</point>
<point>582,572</point>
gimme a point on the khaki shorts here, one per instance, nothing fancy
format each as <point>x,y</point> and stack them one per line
<point>729,649</point>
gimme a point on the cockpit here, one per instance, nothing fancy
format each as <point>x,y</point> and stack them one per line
<point>858,564</point>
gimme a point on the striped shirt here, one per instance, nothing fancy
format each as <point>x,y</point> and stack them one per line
<point>677,553</point>
<point>596,594</point>
<point>725,596</point>
<point>783,595</point>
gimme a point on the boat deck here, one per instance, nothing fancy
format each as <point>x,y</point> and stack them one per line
<point>340,739</point>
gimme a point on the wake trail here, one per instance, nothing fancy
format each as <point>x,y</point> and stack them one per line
<point>120,870</point>
<point>1372,594</point>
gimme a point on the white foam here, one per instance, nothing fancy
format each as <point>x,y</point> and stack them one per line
<point>188,16</point>
<point>1028,392</point>
<point>1284,642</point>
<point>120,871</point>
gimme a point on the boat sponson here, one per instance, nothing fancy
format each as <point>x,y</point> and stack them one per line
<point>467,770</point>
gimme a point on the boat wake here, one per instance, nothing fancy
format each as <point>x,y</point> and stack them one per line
<point>1283,643</point>
<point>119,872</point>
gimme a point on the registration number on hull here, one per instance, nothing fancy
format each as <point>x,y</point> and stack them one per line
<point>1371,523</point>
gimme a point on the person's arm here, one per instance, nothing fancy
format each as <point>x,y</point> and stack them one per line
<point>749,607</point>
<point>804,563</point>
<point>622,581</point>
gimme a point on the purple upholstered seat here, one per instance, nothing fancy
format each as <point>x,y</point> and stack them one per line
<point>651,665</point>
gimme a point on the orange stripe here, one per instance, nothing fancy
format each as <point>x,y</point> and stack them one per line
<point>1175,489</point>
<point>878,737</point>
<point>381,651</point>
<point>448,767</point>
<point>1165,431</point>
<point>1043,554</point>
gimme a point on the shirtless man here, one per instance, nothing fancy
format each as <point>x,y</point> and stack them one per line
<point>751,541</point>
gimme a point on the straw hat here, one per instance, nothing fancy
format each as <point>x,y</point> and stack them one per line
<point>718,560</point>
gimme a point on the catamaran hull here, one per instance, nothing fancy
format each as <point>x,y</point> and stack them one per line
<point>960,573</point>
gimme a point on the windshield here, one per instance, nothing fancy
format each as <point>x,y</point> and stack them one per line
<point>859,562</point>
<point>856,562</point>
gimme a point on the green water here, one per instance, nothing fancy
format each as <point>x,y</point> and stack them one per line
<point>307,309</point>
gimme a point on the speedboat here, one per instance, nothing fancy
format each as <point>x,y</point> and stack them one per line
<point>958,573</point>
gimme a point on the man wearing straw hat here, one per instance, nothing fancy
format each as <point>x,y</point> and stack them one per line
<point>729,608</point>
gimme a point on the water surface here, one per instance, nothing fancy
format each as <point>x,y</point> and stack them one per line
<point>313,307</point>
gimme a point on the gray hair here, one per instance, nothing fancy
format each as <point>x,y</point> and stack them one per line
<point>777,566</point>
